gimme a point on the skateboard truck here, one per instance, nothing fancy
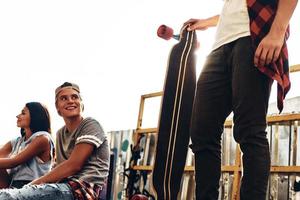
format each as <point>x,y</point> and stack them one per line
<point>166,33</point>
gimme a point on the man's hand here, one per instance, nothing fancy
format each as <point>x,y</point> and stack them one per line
<point>35,182</point>
<point>268,49</point>
<point>202,24</point>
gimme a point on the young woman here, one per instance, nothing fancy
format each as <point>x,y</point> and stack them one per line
<point>30,156</point>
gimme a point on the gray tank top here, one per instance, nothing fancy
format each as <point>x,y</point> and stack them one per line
<point>33,168</point>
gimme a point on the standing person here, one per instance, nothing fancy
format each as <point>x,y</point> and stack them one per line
<point>248,54</point>
<point>30,156</point>
<point>82,156</point>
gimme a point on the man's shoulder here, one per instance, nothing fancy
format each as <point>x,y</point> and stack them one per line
<point>89,121</point>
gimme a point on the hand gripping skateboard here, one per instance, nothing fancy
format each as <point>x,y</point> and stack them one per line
<point>175,114</point>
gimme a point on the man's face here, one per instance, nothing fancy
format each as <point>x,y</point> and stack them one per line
<point>68,103</point>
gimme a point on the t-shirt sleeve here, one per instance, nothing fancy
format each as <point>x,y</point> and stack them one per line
<point>91,132</point>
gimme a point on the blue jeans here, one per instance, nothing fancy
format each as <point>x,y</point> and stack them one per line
<point>51,191</point>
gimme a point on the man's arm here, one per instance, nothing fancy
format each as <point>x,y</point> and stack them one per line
<point>79,155</point>
<point>202,24</point>
<point>269,48</point>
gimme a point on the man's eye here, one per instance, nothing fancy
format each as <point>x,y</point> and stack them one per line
<point>74,97</point>
<point>63,98</point>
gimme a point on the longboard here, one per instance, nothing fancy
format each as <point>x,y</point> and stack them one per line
<point>175,115</point>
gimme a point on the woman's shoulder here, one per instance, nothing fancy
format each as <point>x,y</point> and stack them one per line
<point>16,140</point>
<point>42,135</point>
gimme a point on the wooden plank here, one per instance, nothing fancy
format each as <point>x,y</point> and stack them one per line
<point>274,177</point>
<point>283,118</point>
<point>146,130</point>
<point>141,112</point>
<point>272,119</point>
<point>235,195</point>
<point>285,169</point>
<point>143,167</point>
<point>295,68</point>
<point>231,169</point>
<point>150,95</point>
<point>273,169</point>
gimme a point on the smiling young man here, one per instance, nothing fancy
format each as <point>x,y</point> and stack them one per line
<point>82,155</point>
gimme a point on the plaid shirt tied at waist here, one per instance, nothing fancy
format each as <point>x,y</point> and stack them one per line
<point>83,190</point>
<point>262,14</point>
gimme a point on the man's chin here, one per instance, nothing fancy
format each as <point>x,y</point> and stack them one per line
<point>70,115</point>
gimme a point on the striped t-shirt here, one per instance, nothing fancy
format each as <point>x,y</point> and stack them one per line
<point>96,168</point>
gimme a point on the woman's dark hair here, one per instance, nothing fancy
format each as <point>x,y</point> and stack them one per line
<point>39,118</point>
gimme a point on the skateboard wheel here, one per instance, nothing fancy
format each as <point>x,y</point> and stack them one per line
<point>139,197</point>
<point>165,32</point>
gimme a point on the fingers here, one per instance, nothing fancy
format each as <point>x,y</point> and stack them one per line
<point>192,24</point>
<point>268,51</point>
<point>190,21</point>
<point>198,24</point>
<point>265,56</point>
<point>276,54</point>
<point>191,28</point>
<point>257,56</point>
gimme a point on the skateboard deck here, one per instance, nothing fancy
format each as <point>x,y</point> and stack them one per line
<point>175,115</point>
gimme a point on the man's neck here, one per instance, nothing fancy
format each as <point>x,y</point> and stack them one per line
<point>73,122</point>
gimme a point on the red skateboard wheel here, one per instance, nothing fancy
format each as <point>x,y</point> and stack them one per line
<point>139,197</point>
<point>165,32</point>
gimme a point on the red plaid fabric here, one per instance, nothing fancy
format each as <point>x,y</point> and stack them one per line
<point>83,190</point>
<point>261,14</point>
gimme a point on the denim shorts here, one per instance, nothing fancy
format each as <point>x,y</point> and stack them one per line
<point>51,191</point>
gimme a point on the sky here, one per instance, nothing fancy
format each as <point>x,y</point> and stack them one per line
<point>109,48</point>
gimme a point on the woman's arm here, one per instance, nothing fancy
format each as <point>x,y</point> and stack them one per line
<point>79,155</point>
<point>39,145</point>
<point>5,150</point>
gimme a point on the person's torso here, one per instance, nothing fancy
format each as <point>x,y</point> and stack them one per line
<point>233,22</point>
<point>95,169</point>
<point>35,167</point>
